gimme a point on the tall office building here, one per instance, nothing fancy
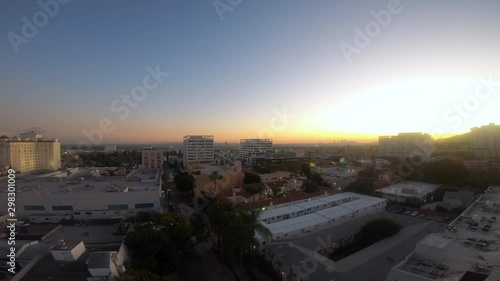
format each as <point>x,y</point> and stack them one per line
<point>250,149</point>
<point>485,141</point>
<point>198,149</point>
<point>152,158</point>
<point>407,145</point>
<point>30,152</point>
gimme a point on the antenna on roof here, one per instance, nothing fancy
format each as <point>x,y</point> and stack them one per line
<point>37,130</point>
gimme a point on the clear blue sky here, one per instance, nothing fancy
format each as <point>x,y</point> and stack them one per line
<point>228,76</point>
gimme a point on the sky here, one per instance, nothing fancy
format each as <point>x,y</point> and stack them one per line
<point>294,71</point>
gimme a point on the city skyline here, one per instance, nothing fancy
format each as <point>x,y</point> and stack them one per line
<point>423,70</point>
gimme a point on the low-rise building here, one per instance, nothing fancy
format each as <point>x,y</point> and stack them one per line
<point>85,194</point>
<point>301,218</point>
<point>403,191</point>
<point>467,250</point>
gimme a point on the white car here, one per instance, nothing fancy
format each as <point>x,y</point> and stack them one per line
<point>414,214</point>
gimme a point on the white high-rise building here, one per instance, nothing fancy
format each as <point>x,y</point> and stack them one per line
<point>30,152</point>
<point>254,148</point>
<point>485,141</point>
<point>198,149</point>
<point>407,145</point>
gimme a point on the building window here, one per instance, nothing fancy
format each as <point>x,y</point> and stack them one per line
<point>62,208</point>
<point>118,207</point>
<point>34,208</point>
<point>144,205</point>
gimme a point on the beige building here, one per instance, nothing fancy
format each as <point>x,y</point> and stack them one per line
<point>254,148</point>
<point>152,158</point>
<point>485,141</point>
<point>407,145</point>
<point>198,149</point>
<point>30,152</point>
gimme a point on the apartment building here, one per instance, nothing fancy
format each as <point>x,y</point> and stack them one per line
<point>407,145</point>
<point>152,158</point>
<point>250,149</point>
<point>30,152</point>
<point>485,141</point>
<point>198,149</point>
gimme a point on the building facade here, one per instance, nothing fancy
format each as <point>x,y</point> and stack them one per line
<point>30,152</point>
<point>485,141</point>
<point>250,149</point>
<point>152,158</point>
<point>407,145</point>
<point>198,149</point>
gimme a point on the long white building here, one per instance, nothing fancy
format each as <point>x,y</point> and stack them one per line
<point>198,149</point>
<point>30,152</point>
<point>407,145</point>
<point>253,148</point>
<point>86,194</point>
<point>302,218</point>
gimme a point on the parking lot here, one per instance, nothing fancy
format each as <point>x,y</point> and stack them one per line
<point>422,214</point>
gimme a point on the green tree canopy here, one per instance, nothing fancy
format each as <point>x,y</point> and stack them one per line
<point>251,178</point>
<point>377,230</point>
<point>310,186</point>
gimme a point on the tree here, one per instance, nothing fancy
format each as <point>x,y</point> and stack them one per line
<point>309,186</point>
<point>377,230</point>
<point>164,250</point>
<point>361,186</point>
<point>445,171</point>
<point>305,170</point>
<point>214,177</point>
<point>255,189</point>
<point>251,178</point>
<point>220,215</point>
<point>185,183</point>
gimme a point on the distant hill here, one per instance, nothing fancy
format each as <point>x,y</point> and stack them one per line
<point>459,139</point>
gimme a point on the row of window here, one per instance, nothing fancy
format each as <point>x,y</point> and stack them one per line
<point>70,208</point>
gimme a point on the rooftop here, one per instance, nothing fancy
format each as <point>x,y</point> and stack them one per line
<point>342,204</point>
<point>409,188</point>
<point>87,181</point>
<point>470,244</point>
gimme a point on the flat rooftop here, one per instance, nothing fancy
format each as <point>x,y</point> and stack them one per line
<point>346,203</point>
<point>86,181</point>
<point>409,188</point>
<point>371,263</point>
<point>472,243</point>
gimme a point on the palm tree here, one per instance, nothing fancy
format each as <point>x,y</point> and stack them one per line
<point>220,216</point>
<point>214,177</point>
<point>255,189</point>
<point>251,218</point>
<point>192,182</point>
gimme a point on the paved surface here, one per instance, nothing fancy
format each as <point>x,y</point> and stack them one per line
<point>207,268</point>
<point>377,267</point>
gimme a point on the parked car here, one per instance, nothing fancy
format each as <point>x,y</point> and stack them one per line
<point>407,212</point>
<point>421,215</point>
<point>414,214</point>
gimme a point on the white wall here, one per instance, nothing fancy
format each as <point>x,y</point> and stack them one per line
<point>82,201</point>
